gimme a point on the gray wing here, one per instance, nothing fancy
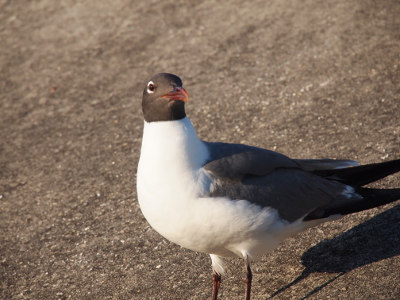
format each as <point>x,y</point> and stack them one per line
<point>235,161</point>
<point>311,165</point>
<point>269,179</point>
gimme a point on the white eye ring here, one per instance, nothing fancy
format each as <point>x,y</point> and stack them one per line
<point>151,87</point>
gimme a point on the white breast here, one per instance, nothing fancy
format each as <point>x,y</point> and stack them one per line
<point>173,192</point>
<point>170,174</point>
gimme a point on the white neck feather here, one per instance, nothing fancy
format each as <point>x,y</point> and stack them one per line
<point>170,173</point>
<point>172,144</point>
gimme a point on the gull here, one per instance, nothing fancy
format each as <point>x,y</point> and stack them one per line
<point>236,200</point>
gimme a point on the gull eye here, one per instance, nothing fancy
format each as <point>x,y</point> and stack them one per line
<point>151,87</point>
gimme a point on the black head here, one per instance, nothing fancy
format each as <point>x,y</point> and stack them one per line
<point>164,98</point>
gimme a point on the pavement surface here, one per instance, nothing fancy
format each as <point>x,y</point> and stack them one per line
<point>310,79</point>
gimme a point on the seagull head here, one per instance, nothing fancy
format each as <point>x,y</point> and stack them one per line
<point>164,98</point>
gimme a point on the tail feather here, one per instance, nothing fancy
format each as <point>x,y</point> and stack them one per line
<point>364,198</point>
<point>361,175</point>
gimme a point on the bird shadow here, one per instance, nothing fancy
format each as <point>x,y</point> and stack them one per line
<point>371,241</point>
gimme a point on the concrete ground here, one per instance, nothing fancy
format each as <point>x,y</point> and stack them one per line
<point>310,79</point>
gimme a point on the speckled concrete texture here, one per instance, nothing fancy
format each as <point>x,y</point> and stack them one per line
<point>310,79</point>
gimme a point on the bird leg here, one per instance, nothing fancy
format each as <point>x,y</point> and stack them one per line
<point>216,284</point>
<point>247,279</point>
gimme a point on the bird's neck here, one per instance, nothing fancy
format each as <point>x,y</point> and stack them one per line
<point>171,156</point>
<point>171,143</point>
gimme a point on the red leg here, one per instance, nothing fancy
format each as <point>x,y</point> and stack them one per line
<point>247,280</point>
<point>216,284</point>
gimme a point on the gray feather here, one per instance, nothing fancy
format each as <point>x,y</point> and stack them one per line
<point>271,179</point>
<point>292,192</point>
<point>235,161</point>
<point>311,165</point>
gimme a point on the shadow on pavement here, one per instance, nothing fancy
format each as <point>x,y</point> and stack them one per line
<point>371,241</point>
